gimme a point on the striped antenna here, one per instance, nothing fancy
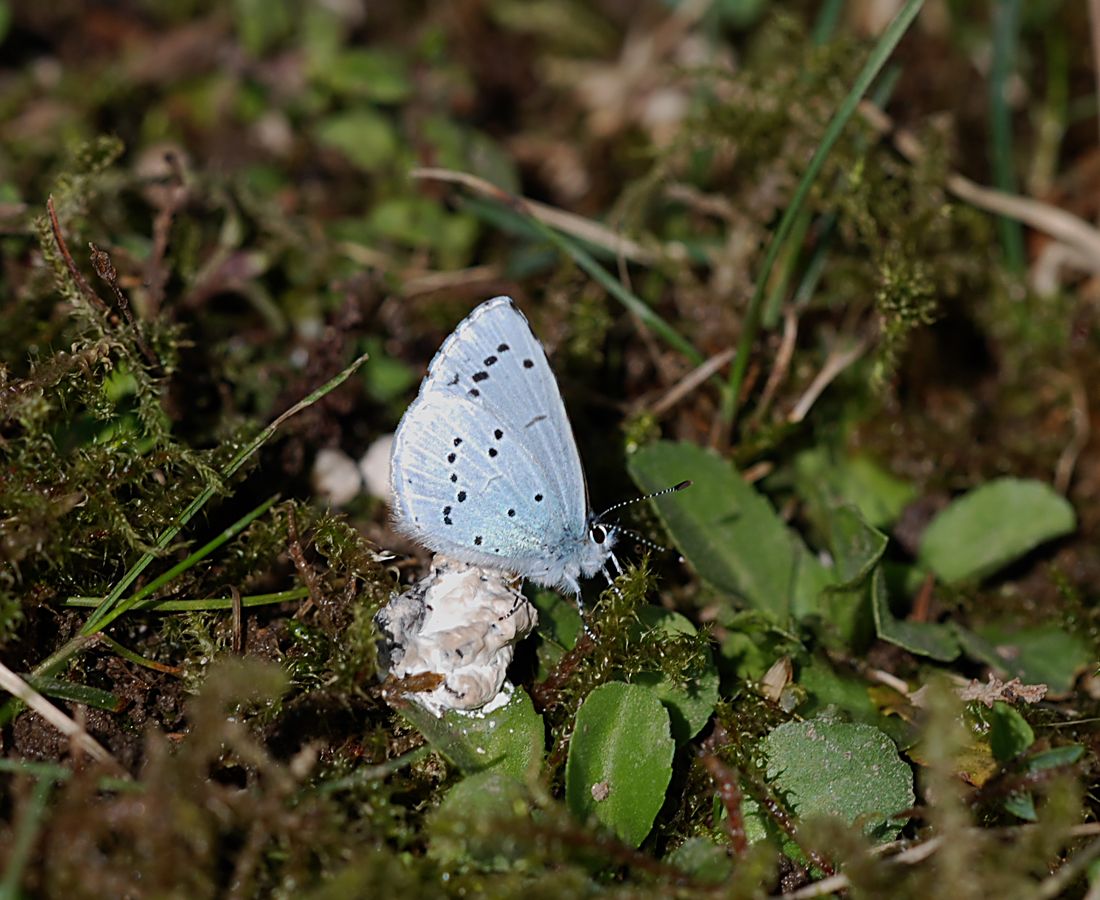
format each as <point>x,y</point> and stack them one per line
<point>661,493</point>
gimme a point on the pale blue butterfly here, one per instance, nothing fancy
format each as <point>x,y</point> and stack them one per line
<point>485,467</point>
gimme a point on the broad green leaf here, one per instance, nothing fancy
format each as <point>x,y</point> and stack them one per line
<point>261,23</point>
<point>620,760</point>
<point>1022,805</point>
<point>467,825</point>
<point>923,638</point>
<point>1009,733</point>
<point>829,688</point>
<point>1044,654</point>
<point>378,75</point>
<point>364,136</point>
<point>857,549</point>
<point>730,533</point>
<point>856,546</point>
<point>825,481</point>
<point>689,704</point>
<point>703,860</point>
<point>509,741</point>
<point>1055,758</point>
<point>845,769</point>
<point>992,526</point>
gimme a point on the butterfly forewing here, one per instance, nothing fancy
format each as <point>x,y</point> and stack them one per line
<point>493,359</point>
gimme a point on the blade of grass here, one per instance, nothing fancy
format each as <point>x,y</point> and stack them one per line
<point>98,624</point>
<point>138,660</point>
<point>208,604</point>
<point>242,456</point>
<point>521,209</point>
<point>1006,27</point>
<point>367,774</point>
<point>75,693</point>
<point>613,286</point>
<point>877,59</point>
<point>29,824</point>
<point>74,646</point>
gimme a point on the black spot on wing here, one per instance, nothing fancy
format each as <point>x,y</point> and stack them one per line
<point>480,376</point>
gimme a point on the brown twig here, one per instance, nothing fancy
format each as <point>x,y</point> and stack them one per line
<point>238,620</point>
<point>1051,220</point>
<point>570,223</point>
<point>305,571</point>
<point>835,363</point>
<point>156,273</point>
<point>728,782</point>
<point>78,279</point>
<point>105,269</point>
<point>782,363</point>
<point>691,381</point>
<point>1079,416</point>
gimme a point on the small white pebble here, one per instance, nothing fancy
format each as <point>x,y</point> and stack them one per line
<point>375,468</point>
<point>335,477</point>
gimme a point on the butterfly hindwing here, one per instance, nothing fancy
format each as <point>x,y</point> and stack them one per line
<point>466,492</point>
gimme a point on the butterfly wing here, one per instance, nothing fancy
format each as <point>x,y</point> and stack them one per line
<point>485,467</point>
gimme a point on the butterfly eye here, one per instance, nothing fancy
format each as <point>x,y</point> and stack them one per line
<point>598,533</point>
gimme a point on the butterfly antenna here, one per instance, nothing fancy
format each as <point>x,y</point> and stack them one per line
<point>638,538</point>
<point>661,493</point>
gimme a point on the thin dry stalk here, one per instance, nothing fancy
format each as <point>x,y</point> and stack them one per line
<point>17,687</point>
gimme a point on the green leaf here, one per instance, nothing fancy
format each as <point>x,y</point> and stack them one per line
<point>75,693</point>
<point>365,137</point>
<point>378,75</point>
<point>825,482</point>
<point>730,533</point>
<point>689,703</point>
<point>261,23</point>
<point>923,638</point>
<point>1022,804</point>
<point>703,860</point>
<point>845,769</point>
<point>992,526</point>
<point>1044,654</point>
<point>467,825</point>
<point>856,546</point>
<point>620,760</point>
<point>1055,758</point>
<point>558,629</point>
<point>1009,733</point>
<point>857,549</point>
<point>509,740</point>
<point>829,688</point>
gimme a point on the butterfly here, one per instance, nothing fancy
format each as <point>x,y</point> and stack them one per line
<point>485,467</point>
